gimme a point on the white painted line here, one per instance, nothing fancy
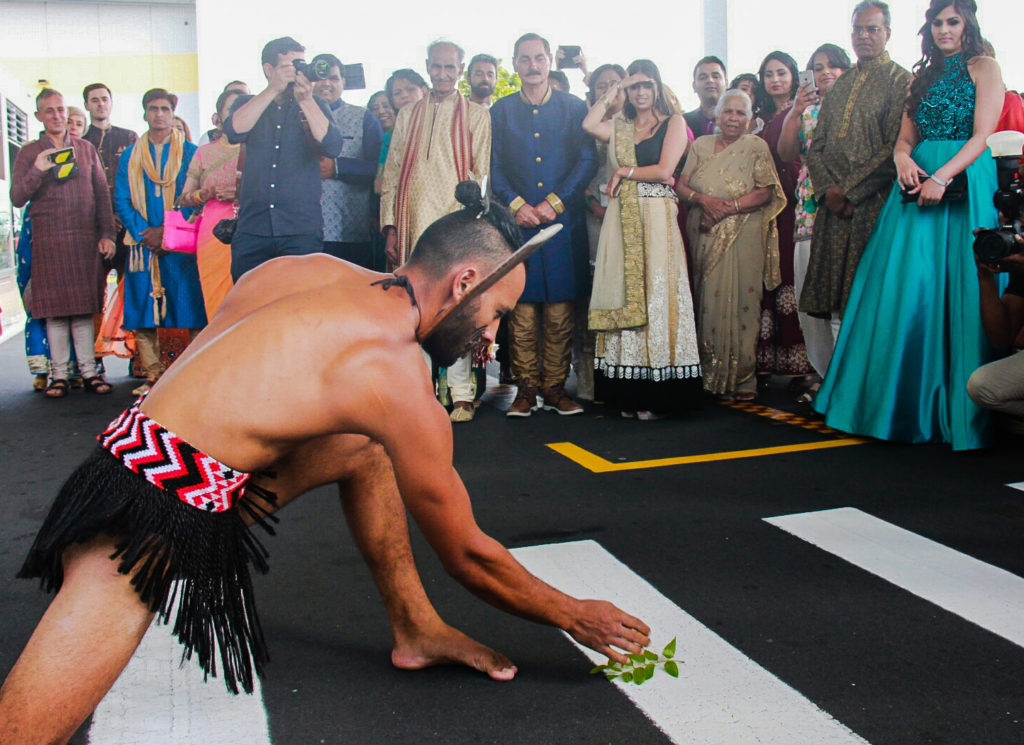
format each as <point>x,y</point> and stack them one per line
<point>1019,486</point>
<point>981,593</point>
<point>721,696</point>
<point>157,701</point>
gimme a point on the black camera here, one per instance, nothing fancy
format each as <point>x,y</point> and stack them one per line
<point>318,69</point>
<point>991,246</point>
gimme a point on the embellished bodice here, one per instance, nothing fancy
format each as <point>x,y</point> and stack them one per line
<point>946,111</point>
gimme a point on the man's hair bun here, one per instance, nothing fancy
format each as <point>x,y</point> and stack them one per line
<point>469,195</point>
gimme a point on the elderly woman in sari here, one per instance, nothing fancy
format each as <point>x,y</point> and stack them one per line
<point>646,359</point>
<point>734,194</point>
<point>211,185</point>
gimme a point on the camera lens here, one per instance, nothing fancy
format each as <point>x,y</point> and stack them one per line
<point>994,245</point>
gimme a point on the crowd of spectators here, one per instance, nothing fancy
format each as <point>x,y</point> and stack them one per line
<point>810,224</point>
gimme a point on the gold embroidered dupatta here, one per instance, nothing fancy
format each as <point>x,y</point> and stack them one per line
<point>619,298</point>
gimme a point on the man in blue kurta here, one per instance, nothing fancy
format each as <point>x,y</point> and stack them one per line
<point>165,292</point>
<point>541,163</point>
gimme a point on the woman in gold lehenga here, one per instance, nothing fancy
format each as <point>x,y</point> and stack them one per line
<point>211,185</point>
<point>646,359</point>
<point>734,194</point>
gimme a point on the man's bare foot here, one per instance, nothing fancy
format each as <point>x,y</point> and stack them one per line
<point>447,645</point>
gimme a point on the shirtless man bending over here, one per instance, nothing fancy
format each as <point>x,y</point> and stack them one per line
<point>156,520</point>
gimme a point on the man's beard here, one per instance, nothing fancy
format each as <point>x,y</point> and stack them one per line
<point>455,336</point>
<point>481,90</point>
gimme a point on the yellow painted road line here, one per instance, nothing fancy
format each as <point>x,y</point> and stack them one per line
<point>597,464</point>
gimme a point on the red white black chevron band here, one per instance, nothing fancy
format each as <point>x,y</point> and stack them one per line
<point>169,463</point>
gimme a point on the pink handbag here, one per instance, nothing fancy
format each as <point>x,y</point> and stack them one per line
<point>180,234</point>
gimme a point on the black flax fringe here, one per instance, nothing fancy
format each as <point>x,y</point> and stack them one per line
<point>160,539</point>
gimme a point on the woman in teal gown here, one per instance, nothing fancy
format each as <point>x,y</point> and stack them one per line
<point>912,333</point>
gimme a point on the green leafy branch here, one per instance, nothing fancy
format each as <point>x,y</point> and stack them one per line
<point>641,667</point>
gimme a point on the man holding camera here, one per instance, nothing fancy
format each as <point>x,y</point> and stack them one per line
<point>285,131</point>
<point>999,386</point>
<point>348,179</point>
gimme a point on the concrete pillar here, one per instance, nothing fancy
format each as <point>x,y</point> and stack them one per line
<point>716,29</point>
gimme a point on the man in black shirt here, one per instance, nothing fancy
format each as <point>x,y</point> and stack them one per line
<point>110,142</point>
<point>999,386</point>
<point>285,131</point>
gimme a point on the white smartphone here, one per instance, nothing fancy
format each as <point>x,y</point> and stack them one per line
<point>806,77</point>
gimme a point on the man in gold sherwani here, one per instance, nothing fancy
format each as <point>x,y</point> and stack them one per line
<point>437,143</point>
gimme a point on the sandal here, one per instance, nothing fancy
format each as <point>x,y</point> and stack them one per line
<point>97,384</point>
<point>57,388</point>
<point>808,396</point>
<point>746,396</point>
<point>39,383</point>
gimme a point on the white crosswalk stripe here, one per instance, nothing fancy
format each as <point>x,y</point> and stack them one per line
<point>983,594</point>
<point>722,697</point>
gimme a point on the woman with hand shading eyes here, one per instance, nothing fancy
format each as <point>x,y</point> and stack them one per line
<point>646,361</point>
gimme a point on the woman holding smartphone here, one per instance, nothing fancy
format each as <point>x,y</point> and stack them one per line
<point>825,66</point>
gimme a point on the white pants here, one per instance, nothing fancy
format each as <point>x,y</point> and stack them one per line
<point>820,334</point>
<point>460,380</point>
<point>77,330</point>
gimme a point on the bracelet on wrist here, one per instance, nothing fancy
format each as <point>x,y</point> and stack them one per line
<point>940,182</point>
<point>631,170</point>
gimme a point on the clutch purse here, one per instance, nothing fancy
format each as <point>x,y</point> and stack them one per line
<point>180,234</point>
<point>955,192</point>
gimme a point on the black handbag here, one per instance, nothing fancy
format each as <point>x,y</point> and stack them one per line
<point>224,230</point>
<point>955,192</point>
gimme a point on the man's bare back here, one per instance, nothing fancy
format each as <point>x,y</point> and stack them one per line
<point>302,348</point>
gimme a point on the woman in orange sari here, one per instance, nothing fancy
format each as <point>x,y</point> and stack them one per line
<point>211,186</point>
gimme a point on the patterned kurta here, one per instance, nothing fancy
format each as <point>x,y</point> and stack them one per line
<point>852,149</point>
<point>68,220</point>
<point>434,175</point>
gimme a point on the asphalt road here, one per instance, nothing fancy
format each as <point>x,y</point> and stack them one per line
<point>892,667</point>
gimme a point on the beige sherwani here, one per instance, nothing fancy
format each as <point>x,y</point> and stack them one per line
<point>431,157</point>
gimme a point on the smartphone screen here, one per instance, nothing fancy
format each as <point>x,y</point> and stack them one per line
<point>571,52</point>
<point>355,79</point>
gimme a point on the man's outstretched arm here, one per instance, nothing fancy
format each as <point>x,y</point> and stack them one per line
<point>435,496</point>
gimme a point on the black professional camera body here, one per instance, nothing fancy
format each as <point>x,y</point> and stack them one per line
<point>318,69</point>
<point>991,246</point>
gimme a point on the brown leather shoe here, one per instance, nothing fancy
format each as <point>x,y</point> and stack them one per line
<point>558,401</point>
<point>525,403</point>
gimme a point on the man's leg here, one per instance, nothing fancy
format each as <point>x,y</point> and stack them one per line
<point>999,386</point>
<point>522,333</point>
<point>77,651</point>
<point>376,517</point>
<point>558,323</point>
<point>58,337</point>
<point>463,389</point>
